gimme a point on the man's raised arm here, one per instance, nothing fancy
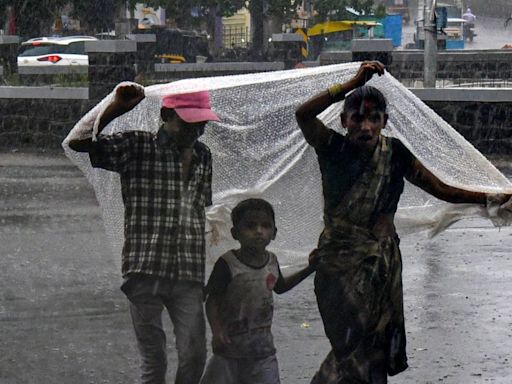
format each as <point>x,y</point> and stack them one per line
<point>125,99</point>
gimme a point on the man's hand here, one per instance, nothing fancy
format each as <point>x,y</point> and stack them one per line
<point>367,70</point>
<point>127,97</point>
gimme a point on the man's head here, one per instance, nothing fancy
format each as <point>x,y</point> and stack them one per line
<point>468,10</point>
<point>364,115</point>
<point>185,116</point>
<point>253,223</point>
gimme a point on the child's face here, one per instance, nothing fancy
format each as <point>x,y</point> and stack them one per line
<point>256,230</point>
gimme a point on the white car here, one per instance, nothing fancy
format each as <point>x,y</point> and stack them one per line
<point>45,51</point>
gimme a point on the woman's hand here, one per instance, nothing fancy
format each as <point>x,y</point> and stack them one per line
<point>367,70</point>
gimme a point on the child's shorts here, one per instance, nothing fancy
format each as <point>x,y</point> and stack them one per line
<point>222,370</point>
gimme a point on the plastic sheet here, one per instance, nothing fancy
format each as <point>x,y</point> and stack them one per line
<point>258,150</point>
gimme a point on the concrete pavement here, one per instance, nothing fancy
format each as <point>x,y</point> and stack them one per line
<point>64,320</point>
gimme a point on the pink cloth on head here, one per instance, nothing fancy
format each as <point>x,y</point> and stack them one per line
<point>191,107</point>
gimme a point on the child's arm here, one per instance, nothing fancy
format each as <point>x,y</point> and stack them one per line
<point>219,338</point>
<point>284,284</point>
<point>217,283</point>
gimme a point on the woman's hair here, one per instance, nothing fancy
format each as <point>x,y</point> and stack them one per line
<point>365,93</point>
<point>237,214</point>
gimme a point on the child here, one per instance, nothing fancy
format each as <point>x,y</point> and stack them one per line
<point>240,306</point>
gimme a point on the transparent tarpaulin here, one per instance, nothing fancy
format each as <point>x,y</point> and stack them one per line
<point>258,150</point>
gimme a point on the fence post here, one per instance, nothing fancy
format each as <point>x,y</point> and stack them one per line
<point>8,54</point>
<point>110,62</point>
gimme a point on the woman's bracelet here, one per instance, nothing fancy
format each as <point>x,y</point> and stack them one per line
<point>337,92</point>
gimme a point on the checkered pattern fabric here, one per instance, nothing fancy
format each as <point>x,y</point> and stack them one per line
<point>164,216</point>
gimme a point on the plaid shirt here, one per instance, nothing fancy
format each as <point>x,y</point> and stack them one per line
<point>164,219</point>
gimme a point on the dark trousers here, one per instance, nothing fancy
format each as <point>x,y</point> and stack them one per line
<point>184,302</point>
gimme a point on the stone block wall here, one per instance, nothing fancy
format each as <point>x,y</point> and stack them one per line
<point>482,116</point>
<point>464,66</point>
<point>41,120</point>
<point>110,62</point>
<point>73,75</point>
<point>9,54</point>
<point>454,66</point>
<point>488,126</point>
<point>39,124</point>
<point>146,50</point>
<point>172,72</point>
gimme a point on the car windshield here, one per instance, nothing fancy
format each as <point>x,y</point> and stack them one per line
<point>49,49</point>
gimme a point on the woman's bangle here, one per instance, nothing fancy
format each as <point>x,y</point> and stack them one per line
<point>337,92</point>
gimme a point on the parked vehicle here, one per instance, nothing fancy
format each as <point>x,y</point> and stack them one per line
<point>455,33</point>
<point>46,51</point>
<point>469,31</point>
<point>178,46</point>
<point>338,35</point>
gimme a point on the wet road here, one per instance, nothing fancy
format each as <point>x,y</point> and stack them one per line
<point>64,320</point>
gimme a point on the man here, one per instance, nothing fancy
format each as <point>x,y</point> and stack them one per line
<point>508,20</point>
<point>358,282</point>
<point>469,17</point>
<point>166,184</point>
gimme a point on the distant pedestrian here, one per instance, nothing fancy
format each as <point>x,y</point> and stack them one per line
<point>166,184</point>
<point>469,17</point>
<point>508,20</point>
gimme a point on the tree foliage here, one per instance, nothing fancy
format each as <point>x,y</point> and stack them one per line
<point>30,18</point>
<point>35,17</point>
<point>96,15</point>
<point>336,9</point>
<point>190,13</point>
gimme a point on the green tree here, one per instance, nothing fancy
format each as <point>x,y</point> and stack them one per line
<point>336,9</point>
<point>30,18</point>
<point>362,6</point>
<point>95,15</point>
<point>190,14</point>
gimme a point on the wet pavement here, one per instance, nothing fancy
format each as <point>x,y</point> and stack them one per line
<point>64,320</point>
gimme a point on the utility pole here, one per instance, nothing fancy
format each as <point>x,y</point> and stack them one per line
<point>430,49</point>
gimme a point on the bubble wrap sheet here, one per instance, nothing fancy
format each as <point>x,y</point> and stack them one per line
<point>258,150</point>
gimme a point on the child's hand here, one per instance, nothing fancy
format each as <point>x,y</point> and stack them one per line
<point>220,340</point>
<point>313,259</point>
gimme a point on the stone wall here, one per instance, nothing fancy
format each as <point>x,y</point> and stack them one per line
<point>8,54</point>
<point>464,66</point>
<point>454,66</point>
<point>40,118</point>
<point>173,72</point>
<point>110,62</point>
<point>72,75</point>
<point>483,117</point>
